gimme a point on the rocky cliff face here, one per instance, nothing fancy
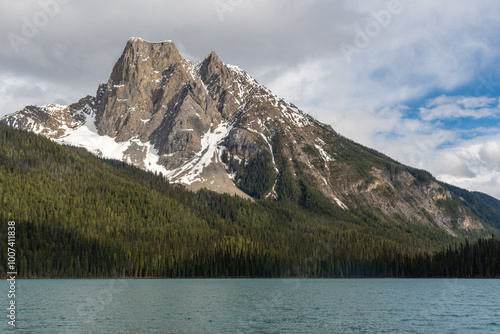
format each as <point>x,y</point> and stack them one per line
<point>153,94</point>
<point>213,126</point>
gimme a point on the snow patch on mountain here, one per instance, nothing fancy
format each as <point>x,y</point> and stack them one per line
<point>86,136</point>
<point>210,152</point>
<point>323,154</point>
<point>340,203</point>
<point>138,39</point>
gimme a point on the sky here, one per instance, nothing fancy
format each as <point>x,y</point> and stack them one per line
<point>416,80</point>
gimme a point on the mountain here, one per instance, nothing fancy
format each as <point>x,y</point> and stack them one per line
<point>484,206</point>
<point>77,215</point>
<point>212,126</point>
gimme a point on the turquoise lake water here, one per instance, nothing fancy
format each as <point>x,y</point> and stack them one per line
<point>254,306</point>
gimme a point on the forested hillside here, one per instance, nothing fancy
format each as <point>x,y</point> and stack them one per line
<point>80,216</point>
<point>485,207</point>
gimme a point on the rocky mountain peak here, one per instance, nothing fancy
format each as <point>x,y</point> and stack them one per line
<point>140,57</point>
<point>210,66</point>
<point>149,84</point>
<point>140,45</point>
<point>213,126</point>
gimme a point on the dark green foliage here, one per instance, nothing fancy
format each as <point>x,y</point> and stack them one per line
<point>286,185</point>
<point>421,176</point>
<point>258,177</point>
<point>385,191</point>
<point>491,201</point>
<point>311,150</point>
<point>360,159</point>
<point>394,169</point>
<point>313,200</point>
<point>80,216</point>
<point>480,259</point>
<point>315,157</point>
<point>255,177</point>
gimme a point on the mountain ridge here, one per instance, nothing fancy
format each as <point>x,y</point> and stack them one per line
<point>80,216</point>
<point>213,126</point>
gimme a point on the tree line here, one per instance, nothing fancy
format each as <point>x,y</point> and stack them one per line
<point>80,216</point>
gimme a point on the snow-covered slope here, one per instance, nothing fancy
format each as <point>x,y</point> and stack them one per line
<point>86,136</point>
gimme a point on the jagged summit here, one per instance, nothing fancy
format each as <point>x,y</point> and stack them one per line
<point>141,40</point>
<point>141,78</point>
<point>212,125</point>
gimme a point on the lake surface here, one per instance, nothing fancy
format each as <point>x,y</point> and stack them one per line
<point>254,306</point>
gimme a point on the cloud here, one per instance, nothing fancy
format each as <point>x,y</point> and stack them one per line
<point>482,158</point>
<point>460,106</point>
<point>14,88</point>
<point>490,153</point>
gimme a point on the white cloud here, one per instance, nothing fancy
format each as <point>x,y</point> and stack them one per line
<point>482,157</point>
<point>490,153</point>
<point>460,106</point>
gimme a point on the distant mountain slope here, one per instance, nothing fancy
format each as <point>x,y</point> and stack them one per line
<point>491,201</point>
<point>213,126</point>
<point>80,216</point>
<point>484,206</point>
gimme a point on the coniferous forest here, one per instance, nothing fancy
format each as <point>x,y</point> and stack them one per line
<point>80,216</point>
